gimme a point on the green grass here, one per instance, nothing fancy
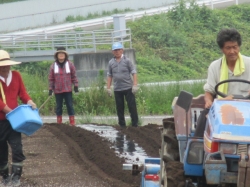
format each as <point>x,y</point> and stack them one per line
<point>104,13</point>
<point>9,1</point>
<point>151,100</point>
<point>180,44</point>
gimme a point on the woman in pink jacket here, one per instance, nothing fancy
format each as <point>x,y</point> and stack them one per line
<point>61,77</point>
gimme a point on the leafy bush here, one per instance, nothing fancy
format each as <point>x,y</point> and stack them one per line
<point>181,44</point>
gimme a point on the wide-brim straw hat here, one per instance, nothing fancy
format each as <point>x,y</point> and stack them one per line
<point>5,59</point>
<point>61,50</point>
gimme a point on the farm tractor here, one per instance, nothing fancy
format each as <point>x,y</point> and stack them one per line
<point>200,151</point>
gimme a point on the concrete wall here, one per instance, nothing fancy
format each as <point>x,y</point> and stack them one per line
<point>88,65</point>
<point>37,13</point>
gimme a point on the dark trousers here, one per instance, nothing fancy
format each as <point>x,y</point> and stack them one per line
<point>14,139</point>
<point>130,98</point>
<point>67,96</point>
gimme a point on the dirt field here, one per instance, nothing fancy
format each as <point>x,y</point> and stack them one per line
<point>61,155</point>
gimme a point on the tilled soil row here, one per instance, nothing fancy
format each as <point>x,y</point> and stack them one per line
<point>61,155</point>
<point>97,151</point>
<point>52,162</point>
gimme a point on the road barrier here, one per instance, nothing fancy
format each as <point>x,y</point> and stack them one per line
<point>74,40</point>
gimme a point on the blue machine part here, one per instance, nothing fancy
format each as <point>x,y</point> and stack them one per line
<point>230,119</point>
<point>213,168</point>
<point>152,161</point>
<point>182,142</point>
<point>151,167</point>
<point>151,184</point>
<point>193,158</point>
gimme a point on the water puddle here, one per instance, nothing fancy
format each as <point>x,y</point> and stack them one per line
<point>124,147</point>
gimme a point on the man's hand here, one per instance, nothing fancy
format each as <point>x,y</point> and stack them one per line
<point>209,98</point>
<point>229,97</point>
<point>50,92</point>
<point>76,89</point>
<point>109,92</point>
<point>32,104</point>
<point>135,88</point>
<point>208,103</point>
<point>7,109</point>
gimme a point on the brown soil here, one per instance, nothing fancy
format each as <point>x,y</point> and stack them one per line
<point>176,176</point>
<point>61,155</point>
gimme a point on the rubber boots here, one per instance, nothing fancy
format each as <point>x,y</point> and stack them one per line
<point>72,120</point>
<point>5,174</point>
<point>16,175</point>
<point>59,119</point>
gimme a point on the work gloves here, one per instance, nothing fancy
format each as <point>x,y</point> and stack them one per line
<point>135,88</point>
<point>32,104</point>
<point>50,92</point>
<point>109,92</point>
<point>76,89</point>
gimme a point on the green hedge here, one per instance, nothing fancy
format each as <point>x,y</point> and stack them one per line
<point>9,1</point>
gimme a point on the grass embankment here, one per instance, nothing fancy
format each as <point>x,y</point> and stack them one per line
<point>178,45</point>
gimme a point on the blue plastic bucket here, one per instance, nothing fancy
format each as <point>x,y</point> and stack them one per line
<point>24,119</point>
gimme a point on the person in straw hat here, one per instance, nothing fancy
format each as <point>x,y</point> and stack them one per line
<point>11,87</point>
<point>62,75</point>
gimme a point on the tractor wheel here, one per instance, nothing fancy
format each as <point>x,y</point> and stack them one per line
<point>171,172</point>
<point>169,149</point>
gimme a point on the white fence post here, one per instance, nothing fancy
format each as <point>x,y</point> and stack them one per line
<point>105,23</point>
<point>130,38</point>
<point>94,41</point>
<point>212,5</point>
<point>133,17</point>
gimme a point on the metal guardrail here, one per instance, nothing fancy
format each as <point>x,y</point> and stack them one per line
<point>51,37</point>
<point>70,40</point>
<point>107,20</point>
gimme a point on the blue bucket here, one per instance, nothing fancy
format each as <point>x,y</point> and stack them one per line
<point>24,119</point>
